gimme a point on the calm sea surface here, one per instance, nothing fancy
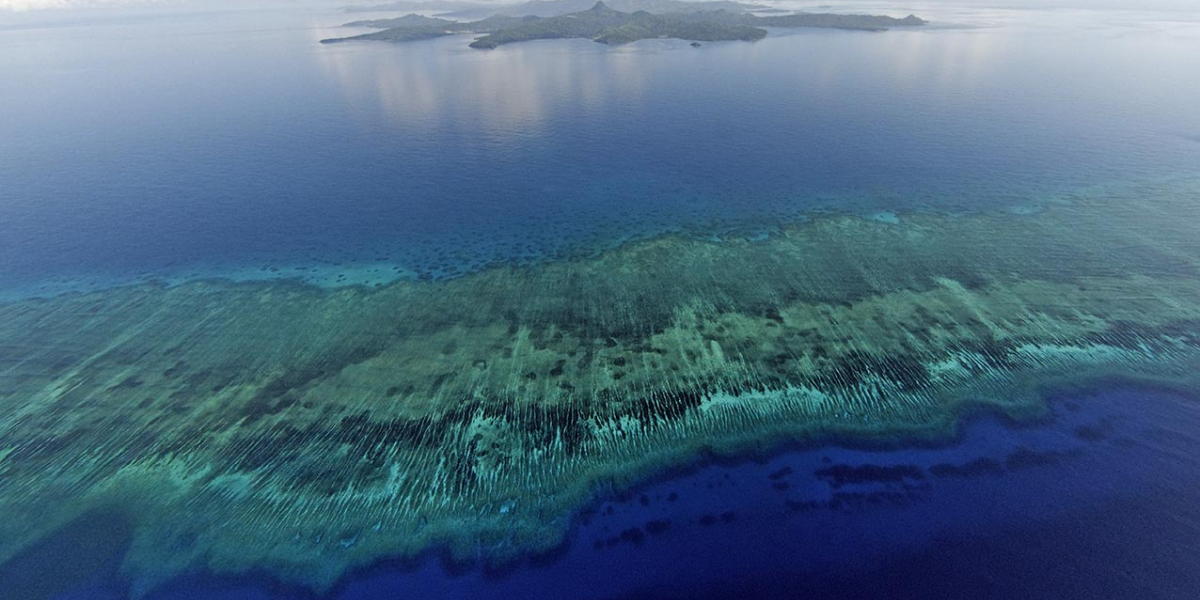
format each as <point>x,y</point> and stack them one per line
<point>232,144</point>
<point>175,146</point>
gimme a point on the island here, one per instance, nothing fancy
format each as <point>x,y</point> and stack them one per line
<point>606,25</point>
<point>468,11</point>
<point>412,28</point>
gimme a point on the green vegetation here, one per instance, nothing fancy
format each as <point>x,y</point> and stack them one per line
<point>555,8</point>
<point>398,34</point>
<point>643,25</point>
<point>303,431</point>
<point>416,28</point>
<point>608,26</point>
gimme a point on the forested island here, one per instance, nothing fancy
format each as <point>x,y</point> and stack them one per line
<point>609,26</point>
<point>469,11</point>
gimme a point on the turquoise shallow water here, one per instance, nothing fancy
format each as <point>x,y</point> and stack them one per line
<point>191,145</point>
<point>1097,499</point>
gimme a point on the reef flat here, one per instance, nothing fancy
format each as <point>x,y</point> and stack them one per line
<point>302,431</point>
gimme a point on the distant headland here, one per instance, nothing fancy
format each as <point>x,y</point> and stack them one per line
<point>691,21</point>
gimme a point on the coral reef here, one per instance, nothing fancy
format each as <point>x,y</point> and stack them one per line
<point>303,431</point>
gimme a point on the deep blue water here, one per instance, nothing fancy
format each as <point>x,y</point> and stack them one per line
<point>179,145</point>
<point>1098,500</point>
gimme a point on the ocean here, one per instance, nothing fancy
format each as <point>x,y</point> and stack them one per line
<point>244,274</point>
<point>232,145</point>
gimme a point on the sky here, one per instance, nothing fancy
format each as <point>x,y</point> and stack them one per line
<point>27,5</point>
